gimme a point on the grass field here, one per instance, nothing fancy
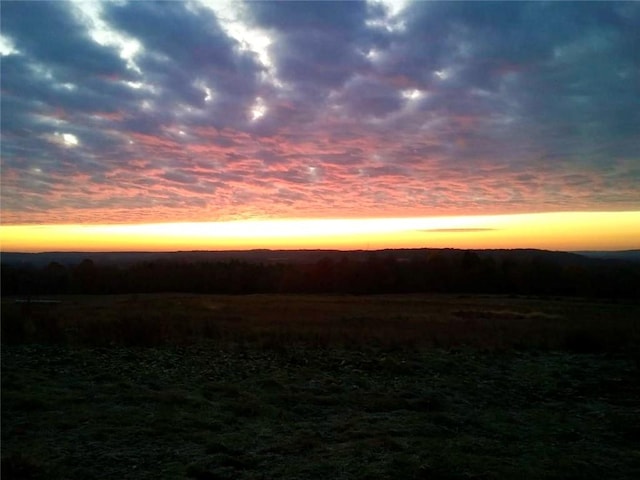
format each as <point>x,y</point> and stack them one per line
<point>305,387</point>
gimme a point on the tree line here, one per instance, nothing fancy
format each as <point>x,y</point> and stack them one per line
<point>437,272</point>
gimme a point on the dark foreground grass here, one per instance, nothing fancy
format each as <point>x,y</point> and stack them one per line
<point>289,400</point>
<point>277,321</point>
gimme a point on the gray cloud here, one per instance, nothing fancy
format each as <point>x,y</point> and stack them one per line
<point>186,50</point>
<point>50,33</point>
<point>446,107</point>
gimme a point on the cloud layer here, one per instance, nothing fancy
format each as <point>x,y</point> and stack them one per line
<point>187,111</point>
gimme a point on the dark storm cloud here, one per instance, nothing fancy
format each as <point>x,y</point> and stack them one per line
<point>483,41</point>
<point>89,94</point>
<point>317,46</point>
<point>549,74</point>
<point>334,17</point>
<point>52,84</point>
<point>370,98</point>
<point>184,33</point>
<point>50,33</point>
<point>185,50</point>
<point>58,68</point>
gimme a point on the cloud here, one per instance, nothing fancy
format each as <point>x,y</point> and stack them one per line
<point>435,108</point>
<point>52,35</point>
<point>189,60</point>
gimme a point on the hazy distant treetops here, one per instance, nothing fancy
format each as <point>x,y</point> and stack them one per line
<point>393,271</point>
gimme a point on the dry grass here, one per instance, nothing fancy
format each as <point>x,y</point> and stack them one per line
<point>492,323</point>
<point>316,387</point>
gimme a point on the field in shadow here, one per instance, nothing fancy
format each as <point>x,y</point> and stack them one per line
<point>345,387</point>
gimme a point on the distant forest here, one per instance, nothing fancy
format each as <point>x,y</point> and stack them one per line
<point>520,272</point>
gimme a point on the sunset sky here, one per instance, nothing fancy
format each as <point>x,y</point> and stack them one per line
<point>216,124</point>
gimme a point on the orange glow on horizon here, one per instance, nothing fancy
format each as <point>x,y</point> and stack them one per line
<point>552,231</point>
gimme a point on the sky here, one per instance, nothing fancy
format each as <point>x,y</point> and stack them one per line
<point>193,118</point>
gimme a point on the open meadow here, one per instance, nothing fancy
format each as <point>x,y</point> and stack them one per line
<point>319,386</point>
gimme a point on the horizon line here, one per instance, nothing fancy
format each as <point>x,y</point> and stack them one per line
<point>562,231</point>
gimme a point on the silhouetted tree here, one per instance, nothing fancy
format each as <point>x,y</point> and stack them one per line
<point>85,277</point>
